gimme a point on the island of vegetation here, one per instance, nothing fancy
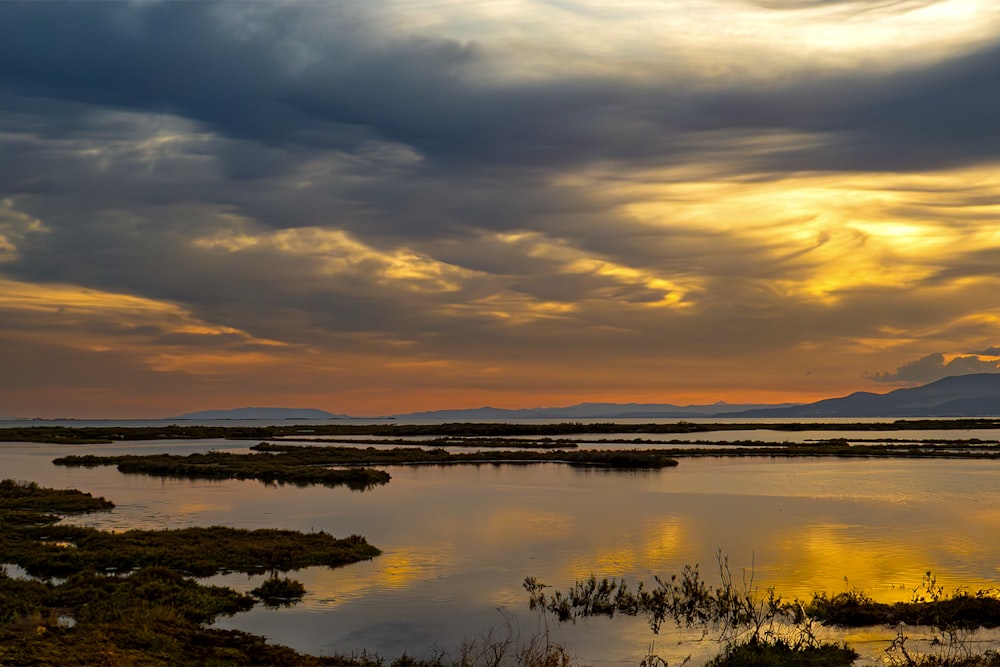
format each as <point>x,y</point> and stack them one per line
<point>296,464</point>
<point>300,470</point>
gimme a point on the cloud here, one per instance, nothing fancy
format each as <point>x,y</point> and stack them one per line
<point>324,76</point>
<point>934,367</point>
<point>676,197</point>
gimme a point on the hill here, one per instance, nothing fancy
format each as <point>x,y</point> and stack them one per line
<point>976,395</point>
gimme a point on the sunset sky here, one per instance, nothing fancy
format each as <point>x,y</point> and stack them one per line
<point>383,206</point>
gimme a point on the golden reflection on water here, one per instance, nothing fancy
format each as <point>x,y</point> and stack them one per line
<point>661,545</point>
<point>652,549</point>
<point>607,561</point>
<point>887,565</point>
<point>397,569</point>
<point>830,553</point>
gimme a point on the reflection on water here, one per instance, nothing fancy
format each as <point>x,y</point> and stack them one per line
<point>458,541</point>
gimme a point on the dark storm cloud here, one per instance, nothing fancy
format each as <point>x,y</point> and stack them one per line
<point>926,117</point>
<point>936,118</point>
<point>170,57</point>
<point>186,59</point>
<point>354,83</point>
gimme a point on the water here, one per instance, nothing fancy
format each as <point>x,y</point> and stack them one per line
<point>459,540</point>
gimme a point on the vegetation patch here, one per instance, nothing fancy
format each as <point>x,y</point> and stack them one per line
<point>840,448</point>
<point>58,551</point>
<point>279,591</point>
<point>267,468</point>
<point>29,497</point>
<point>334,455</point>
<point>780,653</point>
<point>150,612</point>
<point>297,464</point>
<point>451,441</point>
<point>929,605</point>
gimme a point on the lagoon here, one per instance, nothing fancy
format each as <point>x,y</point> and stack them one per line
<point>459,540</point>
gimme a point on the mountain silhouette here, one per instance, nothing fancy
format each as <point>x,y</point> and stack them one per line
<point>591,411</point>
<point>976,395</point>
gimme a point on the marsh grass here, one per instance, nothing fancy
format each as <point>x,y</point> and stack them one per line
<point>752,627</point>
<point>305,465</point>
<point>929,605</point>
<point>150,611</point>
<point>59,551</point>
<point>28,498</point>
<point>757,627</point>
<point>267,468</point>
<point>951,619</point>
<point>504,645</point>
<point>278,591</point>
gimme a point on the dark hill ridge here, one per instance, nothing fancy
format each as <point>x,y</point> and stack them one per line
<point>976,395</point>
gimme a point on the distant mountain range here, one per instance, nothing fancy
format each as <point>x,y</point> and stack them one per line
<point>975,395</point>
<point>581,411</point>
<point>594,411</point>
<point>263,413</point>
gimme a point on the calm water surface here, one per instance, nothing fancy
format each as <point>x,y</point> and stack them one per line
<point>459,540</point>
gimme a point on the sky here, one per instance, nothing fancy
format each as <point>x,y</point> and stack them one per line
<point>383,206</point>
